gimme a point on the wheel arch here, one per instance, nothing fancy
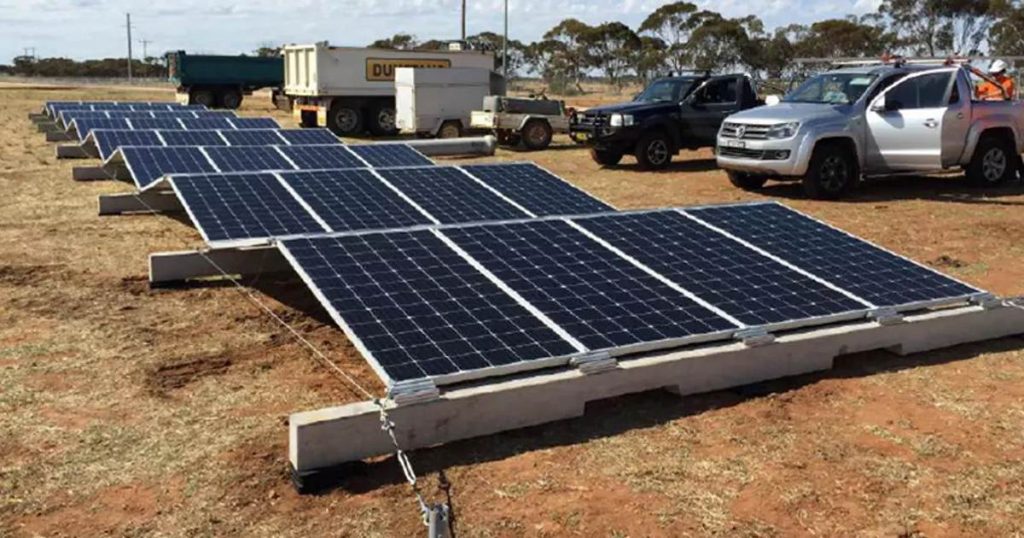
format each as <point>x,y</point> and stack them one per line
<point>978,132</point>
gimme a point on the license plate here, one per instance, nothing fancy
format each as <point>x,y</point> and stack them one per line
<point>734,143</point>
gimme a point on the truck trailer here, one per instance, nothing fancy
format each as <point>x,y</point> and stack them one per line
<point>351,90</point>
<point>439,102</point>
<point>221,81</point>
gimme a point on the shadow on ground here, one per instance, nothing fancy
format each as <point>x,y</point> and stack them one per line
<point>953,189</point>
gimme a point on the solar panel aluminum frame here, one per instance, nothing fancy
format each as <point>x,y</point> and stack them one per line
<point>976,296</point>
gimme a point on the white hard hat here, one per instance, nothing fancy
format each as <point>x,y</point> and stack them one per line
<point>997,66</point>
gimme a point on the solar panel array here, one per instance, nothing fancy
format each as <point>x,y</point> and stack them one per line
<point>357,199</point>
<point>84,126</point>
<point>68,117</point>
<point>54,108</point>
<point>453,303</point>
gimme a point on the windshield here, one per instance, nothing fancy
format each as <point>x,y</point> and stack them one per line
<point>832,89</point>
<point>665,90</point>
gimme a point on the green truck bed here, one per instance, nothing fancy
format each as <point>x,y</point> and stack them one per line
<point>247,72</point>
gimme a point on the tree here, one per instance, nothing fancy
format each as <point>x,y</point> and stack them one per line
<point>1007,36</point>
<point>612,47</point>
<point>719,42</point>
<point>490,41</point>
<point>940,27</point>
<point>566,46</point>
<point>840,38</point>
<point>673,24</point>
<point>398,42</point>
<point>267,50</point>
<point>649,61</point>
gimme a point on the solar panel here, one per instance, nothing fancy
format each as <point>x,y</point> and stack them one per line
<point>215,114</point>
<point>416,308</point>
<point>596,296</point>
<point>878,276</point>
<point>748,286</point>
<point>390,155</point>
<point>539,191</point>
<point>324,157</point>
<point>353,200</point>
<point>206,123</point>
<point>192,138</point>
<point>109,140</point>
<point>253,137</point>
<point>170,124</point>
<point>253,123</point>
<point>149,164</point>
<point>449,195</point>
<point>86,126</point>
<point>306,137</point>
<point>242,206</point>
<point>247,158</point>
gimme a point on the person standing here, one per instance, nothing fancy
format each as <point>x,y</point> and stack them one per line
<point>988,91</point>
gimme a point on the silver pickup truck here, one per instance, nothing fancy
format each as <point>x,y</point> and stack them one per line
<point>879,120</point>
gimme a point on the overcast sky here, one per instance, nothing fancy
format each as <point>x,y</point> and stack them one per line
<point>96,28</point>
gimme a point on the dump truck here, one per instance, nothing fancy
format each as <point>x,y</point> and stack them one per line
<point>351,90</point>
<point>222,81</point>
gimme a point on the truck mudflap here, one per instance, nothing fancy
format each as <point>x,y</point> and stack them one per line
<point>321,113</point>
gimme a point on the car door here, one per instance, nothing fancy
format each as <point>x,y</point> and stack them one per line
<point>905,123</point>
<point>717,99</point>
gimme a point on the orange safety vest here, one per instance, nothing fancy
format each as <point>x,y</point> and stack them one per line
<point>990,92</point>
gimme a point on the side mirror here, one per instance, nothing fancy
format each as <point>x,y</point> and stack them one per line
<point>885,104</point>
<point>772,100</point>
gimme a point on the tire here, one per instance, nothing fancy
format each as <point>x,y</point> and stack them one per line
<point>344,119</point>
<point>230,99</point>
<point>993,163</point>
<point>746,181</point>
<point>202,97</point>
<point>450,129</point>
<point>654,151</point>
<point>831,174</point>
<point>536,135</point>
<point>606,157</point>
<point>382,120</point>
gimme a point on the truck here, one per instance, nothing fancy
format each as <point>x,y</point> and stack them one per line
<point>671,114</point>
<point>351,90</point>
<point>222,81</point>
<point>874,120</point>
<point>531,122</point>
<point>439,102</point>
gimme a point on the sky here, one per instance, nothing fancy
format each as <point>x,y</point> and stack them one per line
<point>82,29</point>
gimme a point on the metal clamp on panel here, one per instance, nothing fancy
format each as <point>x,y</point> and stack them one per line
<point>886,316</point>
<point>413,392</point>
<point>755,337</point>
<point>986,300</point>
<point>594,362</point>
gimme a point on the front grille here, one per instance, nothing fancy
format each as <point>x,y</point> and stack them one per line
<point>749,131</point>
<point>596,120</point>
<point>756,154</point>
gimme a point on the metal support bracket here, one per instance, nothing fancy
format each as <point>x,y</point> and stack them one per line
<point>413,392</point>
<point>594,362</point>
<point>886,316</point>
<point>986,301</point>
<point>755,337</point>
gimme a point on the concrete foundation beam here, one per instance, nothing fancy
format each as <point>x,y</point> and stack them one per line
<point>75,151</point>
<point>48,126</point>
<point>326,438</point>
<point>90,173</point>
<point>174,267</point>
<point>38,117</point>
<point>139,202</point>
<point>58,136</point>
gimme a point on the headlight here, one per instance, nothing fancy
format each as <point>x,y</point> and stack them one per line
<point>783,130</point>
<point>621,120</point>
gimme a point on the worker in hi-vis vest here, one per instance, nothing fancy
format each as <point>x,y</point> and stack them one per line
<point>987,91</point>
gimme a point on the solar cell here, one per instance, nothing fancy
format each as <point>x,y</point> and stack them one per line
<point>743,283</point>
<point>109,140</point>
<point>353,199</point>
<point>253,123</point>
<point>253,137</point>
<point>192,138</point>
<point>449,195</point>
<point>390,155</point>
<point>536,189</point>
<point>206,123</point>
<point>863,269</point>
<point>242,206</point>
<point>599,298</point>
<point>306,137</point>
<point>325,157</point>
<point>149,164</point>
<point>247,158</point>
<point>416,308</point>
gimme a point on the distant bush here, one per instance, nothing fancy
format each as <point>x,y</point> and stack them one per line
<point>64,67</point>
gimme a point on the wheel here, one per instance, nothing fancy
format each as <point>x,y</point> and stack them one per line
<point>230,99</point>
<point>450,129</point>
<point>536,135</point>
<point>203,97</point>
<point>654,151</point>
<point>993,163</point>
<point>746,181</point>
<point>831,173</point>
<point>606,157</point>
<point>383,121</point>
<point>345,120</point>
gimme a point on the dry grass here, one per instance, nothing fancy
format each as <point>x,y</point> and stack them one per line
<point>125,411</point>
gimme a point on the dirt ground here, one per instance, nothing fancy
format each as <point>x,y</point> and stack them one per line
<point>126,411</point>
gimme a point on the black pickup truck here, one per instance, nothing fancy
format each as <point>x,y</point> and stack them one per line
<point>672,114</point>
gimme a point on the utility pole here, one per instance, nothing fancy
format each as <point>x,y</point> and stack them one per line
<point>463,21</point>
<point>145,48</point>
<point>504,47</point>
<point>128,18</point>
